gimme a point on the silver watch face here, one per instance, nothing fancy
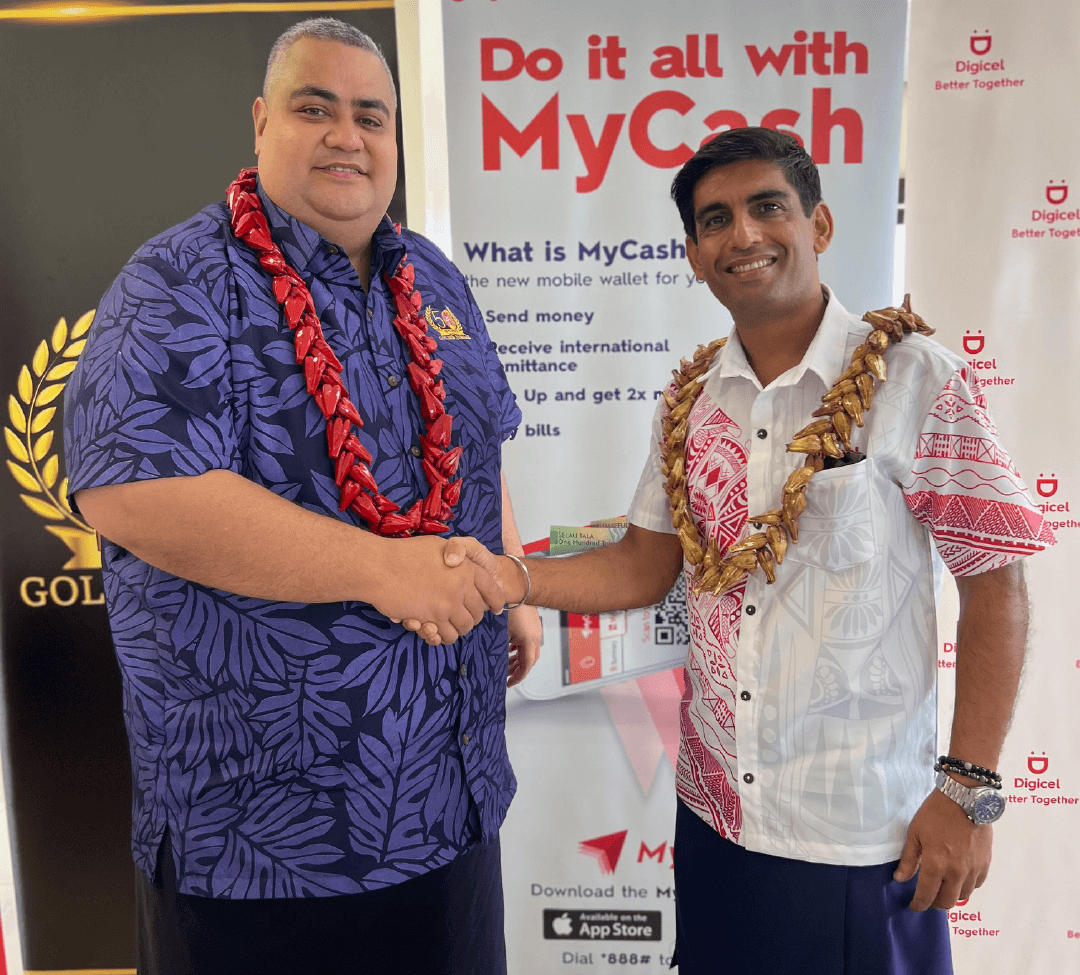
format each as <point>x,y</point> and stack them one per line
<point>987,805</point>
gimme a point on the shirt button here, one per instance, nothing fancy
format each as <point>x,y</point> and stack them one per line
<point>332,248</point>
<point>745,695</point>
<point>465,739</point>
<point>751,609</point>
<point>370,311</point>
<point>748,778</point>
<point>762,434</point>
<point>415,451</point>
<point>464,670</point>
<point>392,381</point>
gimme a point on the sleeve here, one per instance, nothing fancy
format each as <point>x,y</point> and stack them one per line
<point>151,394</point>
<point>964,488</point>
<point>650,508</point>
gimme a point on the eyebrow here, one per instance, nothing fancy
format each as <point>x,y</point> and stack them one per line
<point>768,195</point>
<point>314,91</point>
<point>758,197</point>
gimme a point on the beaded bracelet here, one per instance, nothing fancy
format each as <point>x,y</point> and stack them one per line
<point>528,581</point>
<point>946,763</point>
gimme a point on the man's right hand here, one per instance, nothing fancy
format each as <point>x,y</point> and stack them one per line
<point>464,553</point>
<point>448,589</point>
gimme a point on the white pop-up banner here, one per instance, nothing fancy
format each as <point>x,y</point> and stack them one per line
<point>993,244</point>
<point>566,123</point>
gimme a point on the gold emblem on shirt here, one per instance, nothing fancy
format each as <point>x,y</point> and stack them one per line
<point>445,323</point>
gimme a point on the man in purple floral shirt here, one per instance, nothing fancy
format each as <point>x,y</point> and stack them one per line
<point>315,788</point>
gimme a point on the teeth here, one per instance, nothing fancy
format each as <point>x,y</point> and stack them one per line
<point>342,169</point>
<point>764,262</point>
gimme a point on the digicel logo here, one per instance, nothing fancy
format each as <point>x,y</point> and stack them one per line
<point>605,849</point>
<point>981,43</point>
<point>1038,764</point>
<point>973,344</point>
<point>1047,486</point>
<point>1056,194</point>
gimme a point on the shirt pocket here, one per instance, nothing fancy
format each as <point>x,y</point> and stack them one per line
<point>836,531</point>
<point>471,397</point>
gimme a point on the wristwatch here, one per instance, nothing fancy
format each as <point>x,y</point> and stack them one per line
<point>982,804</point>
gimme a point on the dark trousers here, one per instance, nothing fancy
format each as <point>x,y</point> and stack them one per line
<point>446,922</point>
<point>741,911</point>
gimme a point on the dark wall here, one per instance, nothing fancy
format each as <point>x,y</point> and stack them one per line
<point>109,133</point>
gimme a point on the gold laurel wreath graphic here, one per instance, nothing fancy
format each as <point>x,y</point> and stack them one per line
<point>33,463</point>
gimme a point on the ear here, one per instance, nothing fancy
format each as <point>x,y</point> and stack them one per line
<point>823,228</point>
<point>259,114</point>
<point>694,257</point>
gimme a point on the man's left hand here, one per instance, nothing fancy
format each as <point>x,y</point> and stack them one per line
<point>526,632</point>
<point>951,854</point>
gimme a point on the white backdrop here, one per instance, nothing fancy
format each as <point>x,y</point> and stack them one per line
<point>993,260</point>
<point>566,123</point>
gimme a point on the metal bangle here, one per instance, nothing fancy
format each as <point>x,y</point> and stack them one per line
<point>528,580</point>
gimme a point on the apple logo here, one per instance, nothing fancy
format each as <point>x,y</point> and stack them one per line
<point>561,925</point>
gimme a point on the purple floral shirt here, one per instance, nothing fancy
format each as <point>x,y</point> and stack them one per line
<point>292,750</point>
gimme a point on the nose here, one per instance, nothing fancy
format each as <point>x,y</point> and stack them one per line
<point>745,232</point>
<point>345,134</point>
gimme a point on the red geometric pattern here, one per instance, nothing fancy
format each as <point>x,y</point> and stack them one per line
<point>723,625</point>
<point>716,463</point>
<point>963,560</point>
<point>966,490</point>
<point>948,446</point>
<point>970,528</point>
<point>959,401</point>
<point>702,783</point>
<point>716,472</point>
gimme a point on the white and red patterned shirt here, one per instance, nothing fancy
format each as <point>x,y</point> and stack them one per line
<point>809,718</point>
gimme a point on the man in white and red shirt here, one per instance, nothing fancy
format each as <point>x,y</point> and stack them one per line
<point>808,821</point>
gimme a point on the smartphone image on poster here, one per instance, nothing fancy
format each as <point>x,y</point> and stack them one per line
<point>584,651</point>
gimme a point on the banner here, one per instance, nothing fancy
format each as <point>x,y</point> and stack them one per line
<point>993,245</point>
<point>140,118</point>
<point>566,124</point>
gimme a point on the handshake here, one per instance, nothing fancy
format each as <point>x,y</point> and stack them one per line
<point>441,588</point>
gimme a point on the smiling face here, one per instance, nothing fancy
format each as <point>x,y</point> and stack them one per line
<point>326,141</point>
<point>756,248</point>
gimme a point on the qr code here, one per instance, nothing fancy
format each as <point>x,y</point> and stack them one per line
<point>669,616</point>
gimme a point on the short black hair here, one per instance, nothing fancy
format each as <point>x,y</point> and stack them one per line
<point>741,145</point>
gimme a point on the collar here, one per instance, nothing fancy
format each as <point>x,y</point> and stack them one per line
<point>307,250</point>
<point>825,356</point>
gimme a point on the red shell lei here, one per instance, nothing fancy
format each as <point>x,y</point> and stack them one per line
<point>322,374</point>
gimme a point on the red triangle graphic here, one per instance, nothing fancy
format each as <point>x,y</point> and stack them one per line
<point>606,849</point>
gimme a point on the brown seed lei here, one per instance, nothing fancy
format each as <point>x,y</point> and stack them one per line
<point>845,404</point>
